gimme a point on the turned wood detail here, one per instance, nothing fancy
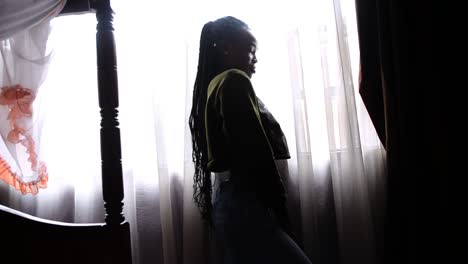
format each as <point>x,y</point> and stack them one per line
<point>112,182</point>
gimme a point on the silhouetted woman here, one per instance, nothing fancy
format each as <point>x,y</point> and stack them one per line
<point>237,138</point>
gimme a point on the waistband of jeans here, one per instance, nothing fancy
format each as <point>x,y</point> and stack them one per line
<point>223,176</point>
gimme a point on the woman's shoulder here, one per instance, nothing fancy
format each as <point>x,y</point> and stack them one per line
<point>235,73</point>
<point>231,77</point>
<point>231,74</point>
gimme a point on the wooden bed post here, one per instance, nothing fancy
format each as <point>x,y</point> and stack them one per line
<point>112,182</point>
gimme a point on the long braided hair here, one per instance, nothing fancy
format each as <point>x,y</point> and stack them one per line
<point>209,65</point>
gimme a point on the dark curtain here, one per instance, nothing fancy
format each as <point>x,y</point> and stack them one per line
<point>397,84</point>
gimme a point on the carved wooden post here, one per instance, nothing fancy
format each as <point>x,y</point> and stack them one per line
<point>112,183</point>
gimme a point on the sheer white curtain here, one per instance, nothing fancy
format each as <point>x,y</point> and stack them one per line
<point>339,167</point>
<point>16,16</point>
<point>306,75</point>
<point>24,59</point>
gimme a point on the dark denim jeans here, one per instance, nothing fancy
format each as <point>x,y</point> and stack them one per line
<point>249,232</point>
